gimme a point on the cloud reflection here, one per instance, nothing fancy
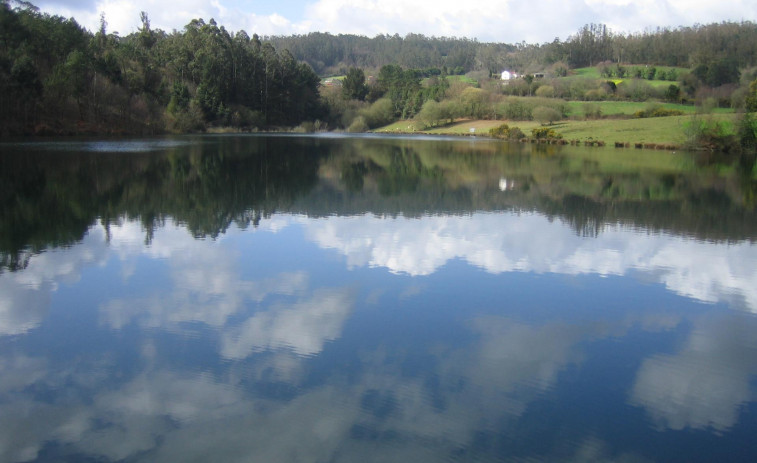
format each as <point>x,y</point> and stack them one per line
<point>707,381</point>
<point>529,242</point>
<point>25,295</point>
<point>303,327</point>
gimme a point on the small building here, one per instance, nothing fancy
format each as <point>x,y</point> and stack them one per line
<point>509,75</point>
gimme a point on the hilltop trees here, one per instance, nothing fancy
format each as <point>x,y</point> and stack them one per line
<point>55,75</point>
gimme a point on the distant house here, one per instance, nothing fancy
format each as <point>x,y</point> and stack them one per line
<point>510,75</point>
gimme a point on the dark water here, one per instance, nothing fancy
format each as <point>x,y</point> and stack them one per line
<point>296,299</point>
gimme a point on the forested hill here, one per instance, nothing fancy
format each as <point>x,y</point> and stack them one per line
<point>730,45</point>
<point>56,77</point>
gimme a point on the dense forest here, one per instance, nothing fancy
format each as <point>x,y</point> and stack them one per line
<point>56,77</point>
<point>53,71</point>
<point>729,45</point>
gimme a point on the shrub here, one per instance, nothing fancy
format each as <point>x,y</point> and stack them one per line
<point>657,111</point>
<point>545,91</point>
<point>592,111</point>
<point>506,132</point>
<point>544,132</point>
<point>596,94</point>
<point>710,134</point>
<point>358,125</point>
<point>636,90</point>
<point>379,113</point>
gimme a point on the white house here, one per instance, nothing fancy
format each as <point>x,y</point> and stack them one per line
<point>509,75</point>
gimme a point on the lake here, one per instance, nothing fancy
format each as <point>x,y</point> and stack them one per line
<point>240,298</point>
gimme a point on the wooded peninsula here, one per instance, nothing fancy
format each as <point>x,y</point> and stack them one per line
<point>58,78</point>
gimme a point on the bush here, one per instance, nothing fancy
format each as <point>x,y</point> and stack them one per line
<point>545,91</point>
<point>358,125</point>
<point>379,113</point>
<point>636,90</point>
<point>657,111</point>
<point>189,120</point>
<point>516,110</point>
<point>506,132</point>
<point>597,94</point>
<point>592,111</point>
<point>544,132</point>
<point>711,135</point>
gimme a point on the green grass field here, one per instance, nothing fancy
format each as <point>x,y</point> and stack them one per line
<point>659,130</point>
<point>593,71</point>
<point>628,108</point>
<point>464,79</point>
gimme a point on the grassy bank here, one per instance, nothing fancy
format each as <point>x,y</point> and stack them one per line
<point>659,130</point>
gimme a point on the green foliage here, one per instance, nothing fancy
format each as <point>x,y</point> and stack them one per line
<point>545,115</point>
<point>718,72</point>
<point>711,134</point>
<point>358,125</point>
<point>506,132</point>
<point>105,82</point>
<point>592,110</point>
<point>544,132</point>
<point>747,133</point>
<point>353,85</point>
<point>657,111</point>
<point>673,93</point>
<point>404,89</point>
<point>636,90</point>
<point>545,91</point>
<point>379,113</point>
<point>750,101</point>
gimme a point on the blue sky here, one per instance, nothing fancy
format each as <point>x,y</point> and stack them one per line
<point>508,21</point>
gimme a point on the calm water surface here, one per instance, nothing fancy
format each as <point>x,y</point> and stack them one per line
<point>336,299</point>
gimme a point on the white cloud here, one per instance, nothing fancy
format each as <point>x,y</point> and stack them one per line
<point>491,20</point>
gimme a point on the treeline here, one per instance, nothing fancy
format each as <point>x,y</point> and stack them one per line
<point>727,45</point>
<point>329,54</point>
<point>56,76</point>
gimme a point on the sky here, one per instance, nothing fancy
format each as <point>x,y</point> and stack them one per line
<point>508,21</point>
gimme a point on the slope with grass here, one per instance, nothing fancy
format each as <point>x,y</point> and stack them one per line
<point>659,130</point>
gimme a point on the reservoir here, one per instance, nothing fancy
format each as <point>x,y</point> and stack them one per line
<point>330,298</point>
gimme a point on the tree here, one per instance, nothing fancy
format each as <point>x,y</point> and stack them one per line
<point>673,93</point>
<point>546,115</point>
<point>353,85</point>
<point>751,98</point>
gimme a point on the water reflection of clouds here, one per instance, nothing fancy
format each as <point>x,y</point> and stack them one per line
<point>168,415</point>
<point>25,295</point>
<point>707,381</point>
<point>303,327</point>
<point>710,272</point>
<point>207,288</point>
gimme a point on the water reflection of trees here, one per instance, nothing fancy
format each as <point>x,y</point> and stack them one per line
<point>51,198</point>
